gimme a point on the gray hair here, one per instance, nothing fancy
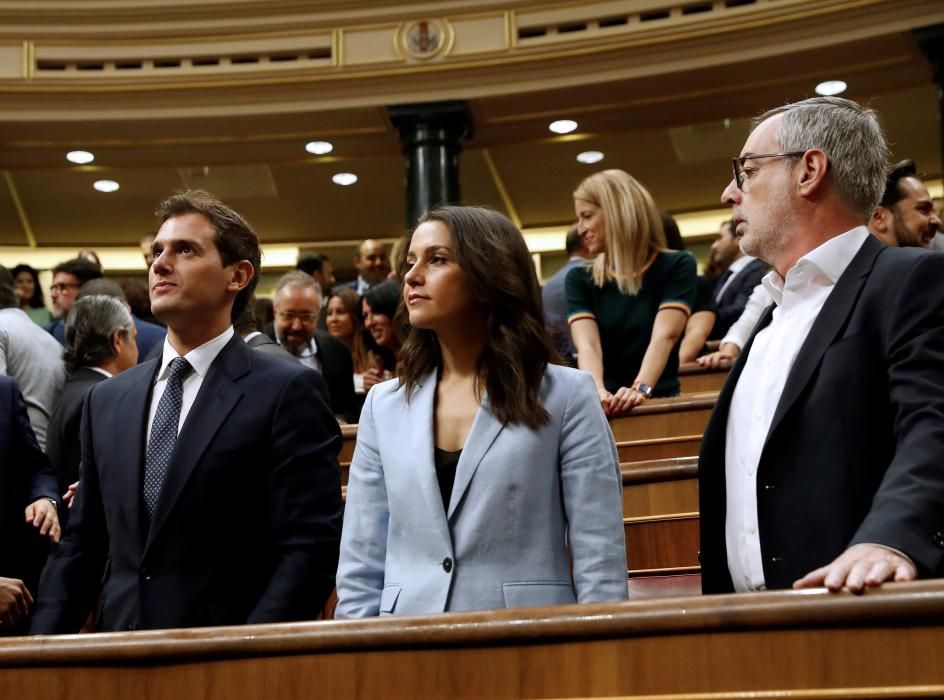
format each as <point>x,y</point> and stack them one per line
<point>90,325</point>
<point>295,278</point>
<point>851,137</point>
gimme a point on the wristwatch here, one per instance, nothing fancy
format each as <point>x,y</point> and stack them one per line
<point>643,389</point>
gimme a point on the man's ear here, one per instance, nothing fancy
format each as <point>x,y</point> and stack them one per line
<point>115,340</point>
<point>813,166</point>
<point>881,220</point>
<point>241,274</point>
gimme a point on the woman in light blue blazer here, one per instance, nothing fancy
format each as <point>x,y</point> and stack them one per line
<point>483,470</point>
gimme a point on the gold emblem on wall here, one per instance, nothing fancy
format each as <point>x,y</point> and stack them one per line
<point>425,39</point>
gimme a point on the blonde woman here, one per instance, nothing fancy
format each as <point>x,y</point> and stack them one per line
<point>627,309</point>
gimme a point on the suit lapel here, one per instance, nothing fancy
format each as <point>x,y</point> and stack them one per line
<point>216,399</point>
<point>422,428</point>
<point>829,323</point>
<point>134,404</point>
<point>485,428</point>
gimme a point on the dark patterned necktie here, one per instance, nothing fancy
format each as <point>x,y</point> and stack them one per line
<point>164,433</point>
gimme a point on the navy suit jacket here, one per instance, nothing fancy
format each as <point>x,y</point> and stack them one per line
<point>25,476</point>
<point>855,451</point>
<point>730,306</point>
<point>247,526</point>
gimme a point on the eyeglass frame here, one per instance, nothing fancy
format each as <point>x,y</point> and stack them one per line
<point>291,317</point>
<point>60,287</point>
<point>739,171</point>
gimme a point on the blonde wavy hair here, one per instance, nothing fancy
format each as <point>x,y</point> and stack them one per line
<point>632,227</point>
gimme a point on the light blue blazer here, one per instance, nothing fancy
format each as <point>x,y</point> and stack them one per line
<point>524,502</point>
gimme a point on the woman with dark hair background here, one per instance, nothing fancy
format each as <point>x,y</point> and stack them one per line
<point>29,294</point>
<point>380,307</point>
<point>484,476</point>
<point>345,322</point>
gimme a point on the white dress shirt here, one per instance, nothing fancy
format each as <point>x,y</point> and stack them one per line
<point>741,329</point>
<point>799,299</point>
<point>309,356</point>
<point>200,359</point>
<point>735,268</point>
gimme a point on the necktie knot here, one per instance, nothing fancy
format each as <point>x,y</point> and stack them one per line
<point>179,368</point>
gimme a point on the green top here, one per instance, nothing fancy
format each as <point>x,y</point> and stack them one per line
<point>40,316</point>
<point>625,322</point>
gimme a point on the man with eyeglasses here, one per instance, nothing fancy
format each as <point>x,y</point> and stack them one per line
<point>297,303</point>
<point>821,464</point>
<point>67,278</point>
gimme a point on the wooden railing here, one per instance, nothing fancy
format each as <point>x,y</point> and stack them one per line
<point>886,643</point>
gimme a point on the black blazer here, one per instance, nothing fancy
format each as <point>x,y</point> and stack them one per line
<point>247,526</point>
<point>337,366</point>
<point>730,306</point>
<point>855,452</point>
<point>25,476</point>
<point>62,438</point>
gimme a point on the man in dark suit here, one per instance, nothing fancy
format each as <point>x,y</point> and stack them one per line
<point>296,301</point>
<point>28,500</point>
<point>734,286</point>
<point>372,265</point>
<point>210,489</point>
<point>100,343</point>
<point>821,464</point>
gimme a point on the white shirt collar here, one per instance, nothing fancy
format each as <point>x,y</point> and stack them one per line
<point>310,351</point>
<point>830,259</point>
<point>200,358</point>
<point>740,264</point>
<point>250,336</point>
<point>101,371</point>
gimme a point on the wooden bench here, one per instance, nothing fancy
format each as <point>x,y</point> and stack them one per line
<point>784,644</point>
<point>696,379</point>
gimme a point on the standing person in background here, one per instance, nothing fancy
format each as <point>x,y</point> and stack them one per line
<point>100,343</point>
<point>555,299</point>
<point>30,294</point>
<point>347,325</point>
<point>372,266</point>
<point>28,510</point>
<point>67,279</point>
<point>628,308</point>
<point>485,476</point>
<point>734,287</point>
<point>319,266</point>
<point>148,336</point>
<point>31,356</point>
<point>380,308</point>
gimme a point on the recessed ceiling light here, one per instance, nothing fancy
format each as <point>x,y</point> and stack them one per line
<point>590,157</point>
<point>563,126</point>
<point>319,148</point>
<point>105,185</point>
<point>831,87</point>
<point>344,179</point>
<point>79,157</point>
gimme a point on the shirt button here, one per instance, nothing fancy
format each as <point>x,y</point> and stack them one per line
<point>447,565</point>
<point>753,530</point>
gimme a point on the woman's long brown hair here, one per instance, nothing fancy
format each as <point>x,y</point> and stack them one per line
<point>493,254</point>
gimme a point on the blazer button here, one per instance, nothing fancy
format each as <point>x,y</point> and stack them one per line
<point>939,539</point>
<point>146,574</point>
<point>447,565</point>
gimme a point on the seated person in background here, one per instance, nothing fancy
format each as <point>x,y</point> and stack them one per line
<point>380,306</point>
<point>555,299</point>
<point>67,278</point>
<point>100,343</point>
<point>484,470</point>
<point>345,323</point>
<point>628,308</point>
<point>28,509</point>
<point>297,303</point>
<point>735,285</point>
<point>148,336</point>
<point>30,294</point>
<point>31,356</point>
<point>904,218</point>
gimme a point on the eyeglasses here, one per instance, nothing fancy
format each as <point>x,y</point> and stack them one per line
<point>62,286</point>
<point>738,164</point>
<point>290,316</point>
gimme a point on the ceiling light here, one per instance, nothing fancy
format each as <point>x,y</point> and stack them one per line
<point>105,185</point>
<point>590,157</point>
<point>563,126</point>
<point>79,157</point>
<point>319,148</point>
<point>344,179</point>
<point>831,87</point>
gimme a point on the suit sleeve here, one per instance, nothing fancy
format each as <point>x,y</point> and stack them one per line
<point>36,471</point>
<point>304,502</point>
<point>71,581</point>
<point>592,490</point>
<point>734,304</point>
<point>907,512</point>
<point>366,518</point>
